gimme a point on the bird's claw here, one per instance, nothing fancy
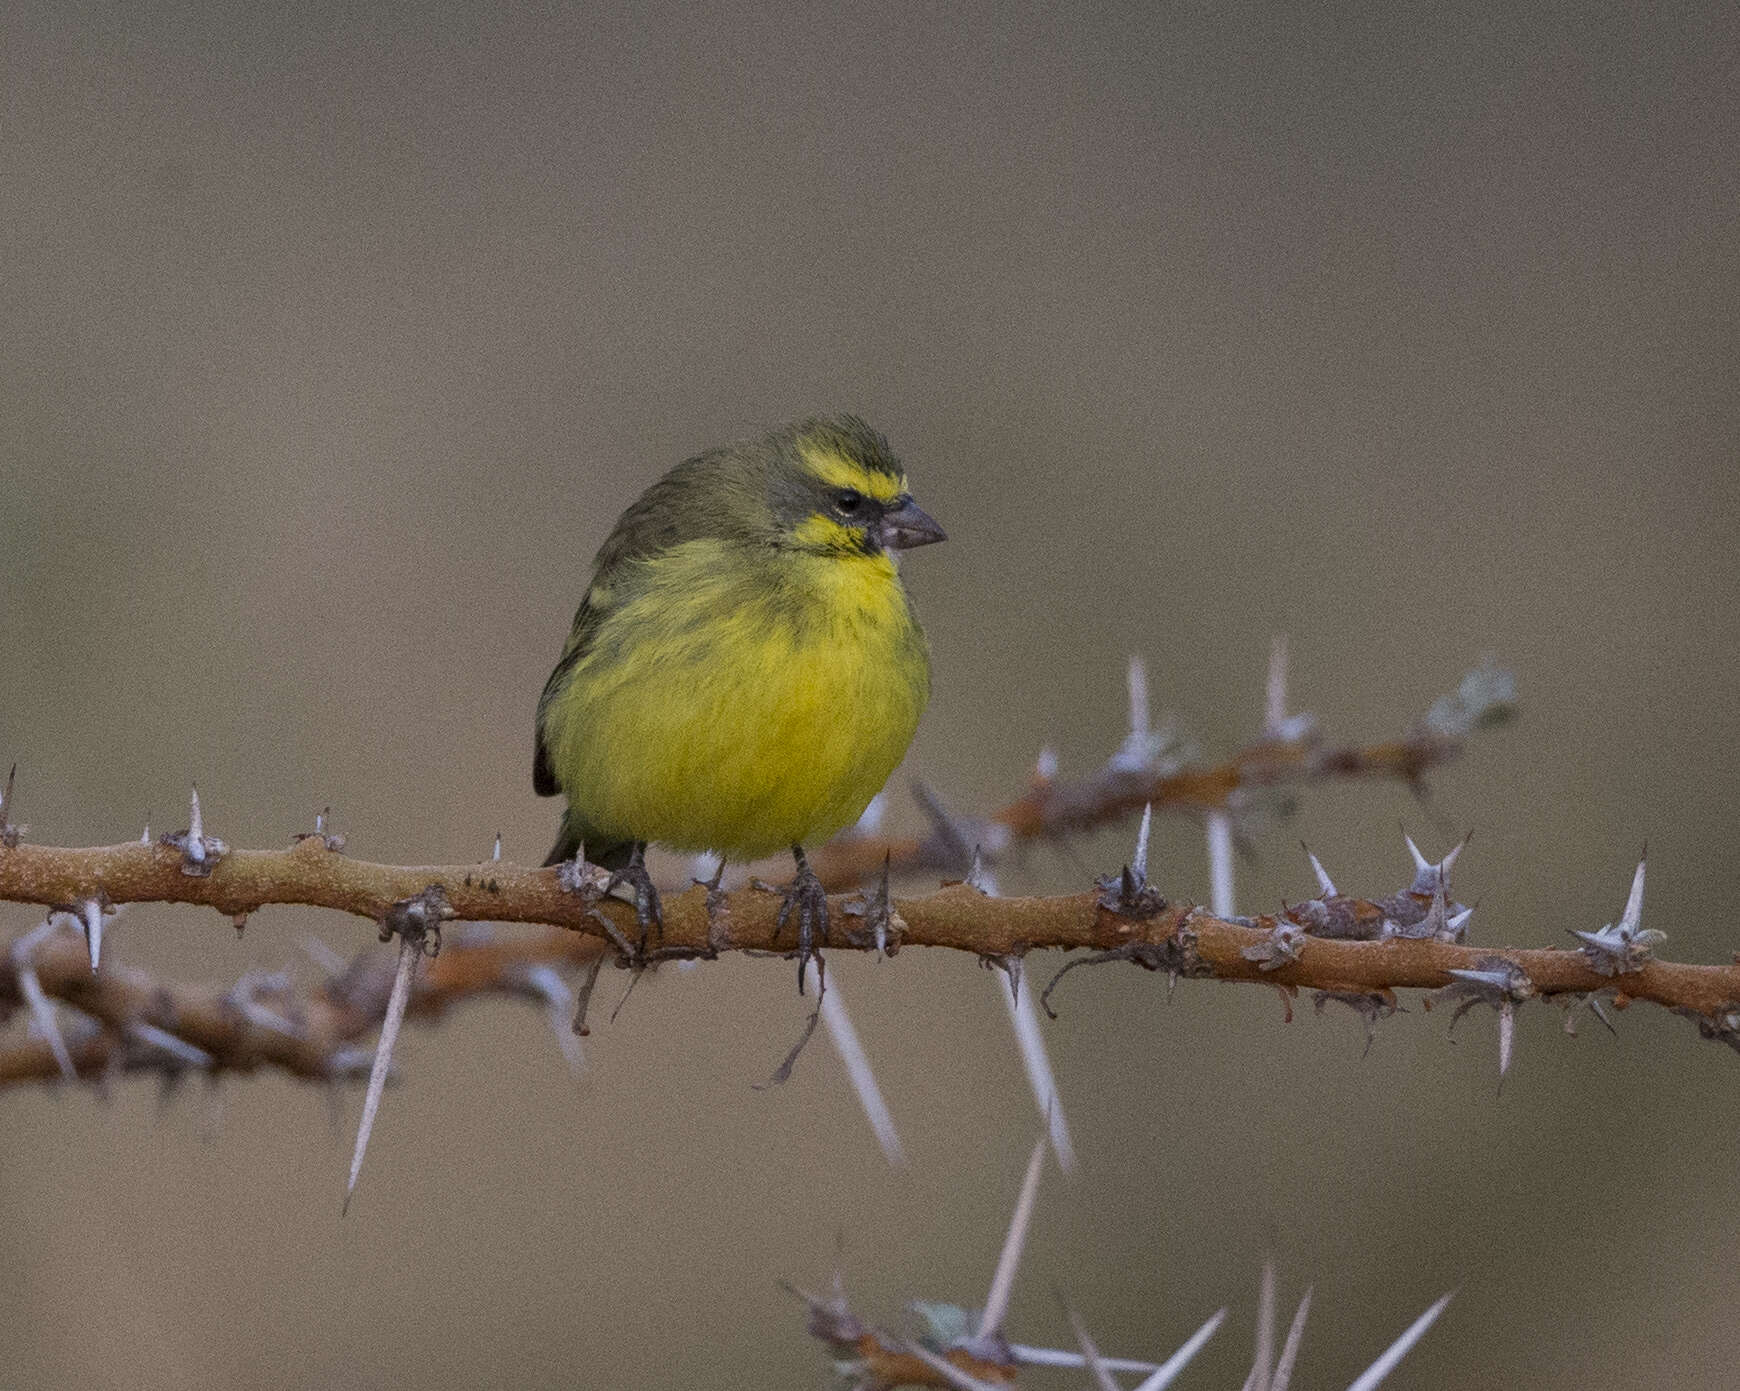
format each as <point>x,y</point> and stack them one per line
<point>807,900</point>
<point>648,912</point>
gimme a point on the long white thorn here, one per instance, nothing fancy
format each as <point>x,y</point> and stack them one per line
<point>1218,826</point>
<point>1138,687</point>
<point>1420,861</point>
<point>1275,706</point>
<point>859,1072</point>
<point>324,957</point>
<point>93,921</point>
<point>1030,1038</point>
<point>1506,1037</point>
<point>953,1375</point>
<point>195,848</point>
<point>1263,1361</point>
<point>1449,861</point>
<point>1009,1259</point>
<point>1167,1372</point>
<point>1399,1349</point>
<point>410,948</point>
<point>1090,1351</point>
<point>1290,1349</point>
<point>1633,917</point>
<point>1026,1355</point>
<point>41,1007</point>
<point>1325,885</point>
<point>188,1054</point>
<point>1139,865</point>
<point>558,997</point>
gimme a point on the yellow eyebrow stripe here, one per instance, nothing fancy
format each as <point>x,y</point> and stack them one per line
<point>838,471</point>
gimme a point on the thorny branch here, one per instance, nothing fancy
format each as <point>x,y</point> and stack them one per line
<point>1151,767</point>
<point>971,1350</point>
<point>1350,950</point>
<point>123,1015</point>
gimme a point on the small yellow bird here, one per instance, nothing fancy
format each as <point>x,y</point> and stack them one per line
<point>746,668</point>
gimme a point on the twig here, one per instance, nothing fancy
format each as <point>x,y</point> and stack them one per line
<point>1147,768</point>
<point>1306,947</point>
<point>308,1033</point>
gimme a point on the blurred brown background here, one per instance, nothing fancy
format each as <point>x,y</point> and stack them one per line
<point>336,336</point>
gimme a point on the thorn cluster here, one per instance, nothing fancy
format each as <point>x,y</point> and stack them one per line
<point>1624,946</point>
<point>1128,893</point>
<point>199,852</point>
<point>1492,981</point>
<point>882,925</point>
<point>83,1024</point>
<point>334,843</point>
<point>1154,765</point>
<point>1369,1005</point>
<point>1422,910</point>
<point>956,1347</point>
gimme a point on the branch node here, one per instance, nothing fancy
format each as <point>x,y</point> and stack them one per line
<point>882,925</point>
<point>1009,963</point>
<point>334,843</point>
<point>1128,893</point>
<point>417,920</point>
<point>200,853</point>
<point>577,877</point>
<point>1369,1005</point>
<point>1283,946</point>
<point>1722,1027</point>
<point>1571,1001</point>
<point>1494,981</point>
<point>1176,955</point>
<point>1624,946</point>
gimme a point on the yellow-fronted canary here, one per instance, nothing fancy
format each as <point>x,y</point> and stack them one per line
<point>746,668</point>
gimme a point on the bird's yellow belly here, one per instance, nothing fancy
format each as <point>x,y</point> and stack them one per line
<point>741,727</point>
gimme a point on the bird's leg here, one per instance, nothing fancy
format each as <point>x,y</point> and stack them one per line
<point>716,933</point>
<point>647,911</point>
<point>806,898</point>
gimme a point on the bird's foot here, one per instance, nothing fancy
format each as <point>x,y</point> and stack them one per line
<point>807,901</point>
<point>648,912</point>
<point>718,925</point>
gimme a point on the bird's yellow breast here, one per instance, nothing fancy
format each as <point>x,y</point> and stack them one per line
<point>740,699</point>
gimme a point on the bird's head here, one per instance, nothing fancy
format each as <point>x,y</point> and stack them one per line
<point>837,489</point>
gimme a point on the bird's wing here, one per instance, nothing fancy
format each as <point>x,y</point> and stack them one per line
<point>681,506</point>
<point>586,623</point>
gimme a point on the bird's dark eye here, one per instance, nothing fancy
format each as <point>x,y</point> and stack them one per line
<point>848,502</point>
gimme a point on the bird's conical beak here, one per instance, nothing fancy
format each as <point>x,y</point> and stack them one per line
<point>907,525</point>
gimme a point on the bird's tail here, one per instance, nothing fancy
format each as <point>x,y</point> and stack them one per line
<point>612,854</point>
